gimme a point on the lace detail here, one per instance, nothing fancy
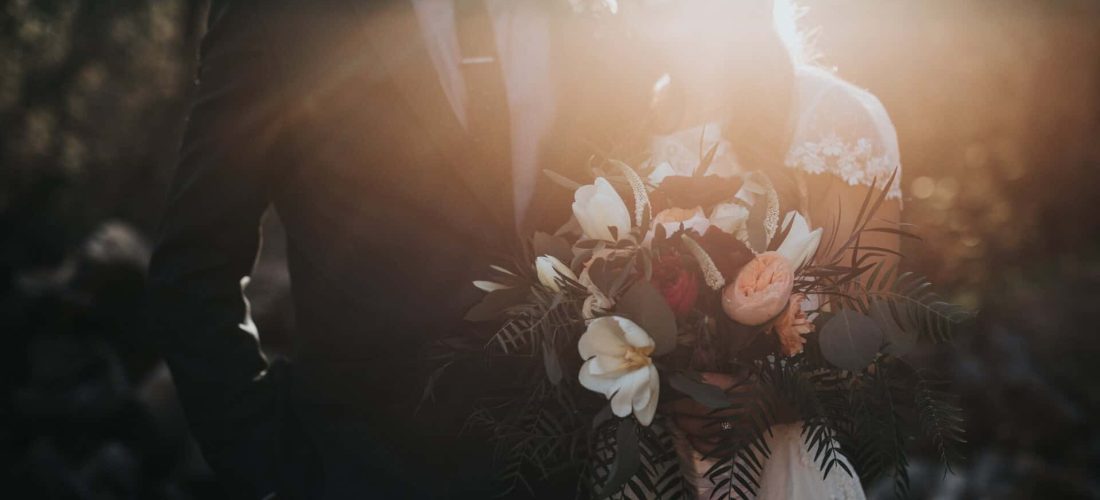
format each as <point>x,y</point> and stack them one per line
<point>840,130</point>
<point>855,163</point>
<point>844,131</point>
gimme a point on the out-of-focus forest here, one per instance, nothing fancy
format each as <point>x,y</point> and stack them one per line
<point>997,106</point>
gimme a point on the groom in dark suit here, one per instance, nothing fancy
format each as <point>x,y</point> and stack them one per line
<point>400,143</point>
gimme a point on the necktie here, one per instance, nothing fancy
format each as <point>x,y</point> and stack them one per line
<point>487,119</point>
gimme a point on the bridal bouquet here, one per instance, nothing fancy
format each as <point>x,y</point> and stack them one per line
<point>693,302</point>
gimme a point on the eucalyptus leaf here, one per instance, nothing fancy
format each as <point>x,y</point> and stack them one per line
<point>601,274</point>
<point>555,246</point>
<point>495,302</point>
<point>645,305</point>
<point>553,365</point>
<point>703,393</point>
<point>900,337</point>
<point>628,459</point>
<point>850,340</point>
<point>603,416</point>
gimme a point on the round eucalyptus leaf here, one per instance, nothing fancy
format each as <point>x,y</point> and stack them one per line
<point>644,305</point>
<point>900,337</point>
<point>850,340</point>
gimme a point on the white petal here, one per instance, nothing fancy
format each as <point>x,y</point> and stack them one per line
<point>660,172</point>
<point>632,333</point>
<point>798,224</point>
<point>646,412</point>
<point>596,383</point>
<point>643,395</point>
<point>607,365</point>
<point>490,286</point>
<point>549,269</point>
<point>561,268</point>
<point>606,209</point>
<point>800,243</point>
<point>582,198</point>
<point>603,336</point>
<point>629,384</point>
<point>729,217</point>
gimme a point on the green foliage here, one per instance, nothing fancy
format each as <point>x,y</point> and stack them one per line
<point>913,305</point>
<point>648,452</point>
<point>850,340</point>
<point>859,404</point>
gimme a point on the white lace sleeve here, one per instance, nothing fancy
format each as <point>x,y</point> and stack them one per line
<point>844,131</point>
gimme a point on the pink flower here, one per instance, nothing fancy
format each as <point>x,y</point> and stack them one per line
<point>792,325</point>
<point>761,290</point>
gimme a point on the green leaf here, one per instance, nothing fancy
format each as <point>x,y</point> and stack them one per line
<point>900,337</point>
<point>495,303</point>
<point>554,246</point>
<point>645,305</point>
<point>562,180</point>
<point>553,365</point>
<point>703,393</point>
<point>601,274</point>
<point>603,416</point>
<point>627,459</point>
<point>850,340</point>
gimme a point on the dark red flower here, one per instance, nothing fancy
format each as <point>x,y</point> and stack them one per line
<point>704,191</point>
<point>679,286</point>
<point>727,252</point>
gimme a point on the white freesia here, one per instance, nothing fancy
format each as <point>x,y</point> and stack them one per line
<point>729,217</point>
<point>691,219</point>
<point>550,270</point>
<point>617,364</point>
<point>801,243</point>
<point>599,207</point>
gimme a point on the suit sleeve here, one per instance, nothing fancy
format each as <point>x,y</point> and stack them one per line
<point>206,245</point>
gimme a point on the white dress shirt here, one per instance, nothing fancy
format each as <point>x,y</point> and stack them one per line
<point>522,32</point>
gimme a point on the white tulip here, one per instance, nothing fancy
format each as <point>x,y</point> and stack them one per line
<point>550,270</point>
<point>617,364</point>
<point>801,243</point>
<point>729,217</point>
<point>597,207</point>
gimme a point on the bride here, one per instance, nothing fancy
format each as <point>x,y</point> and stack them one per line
<point>729,74</point>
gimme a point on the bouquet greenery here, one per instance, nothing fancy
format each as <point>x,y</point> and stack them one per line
<point>695,293</point>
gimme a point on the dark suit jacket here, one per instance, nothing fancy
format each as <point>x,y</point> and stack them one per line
<point>331,112</point>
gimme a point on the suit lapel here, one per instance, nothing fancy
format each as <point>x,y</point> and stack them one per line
<point>393,34</point>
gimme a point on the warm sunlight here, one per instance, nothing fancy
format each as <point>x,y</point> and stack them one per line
<point>470,249</point>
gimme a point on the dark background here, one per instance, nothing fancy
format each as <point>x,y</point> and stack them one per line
<point>997,106</point>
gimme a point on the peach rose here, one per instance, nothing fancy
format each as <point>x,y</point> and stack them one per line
<point>760,291</point>
<point>792,325</point>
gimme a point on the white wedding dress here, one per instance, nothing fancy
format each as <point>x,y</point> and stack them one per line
<point>840,130</point>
